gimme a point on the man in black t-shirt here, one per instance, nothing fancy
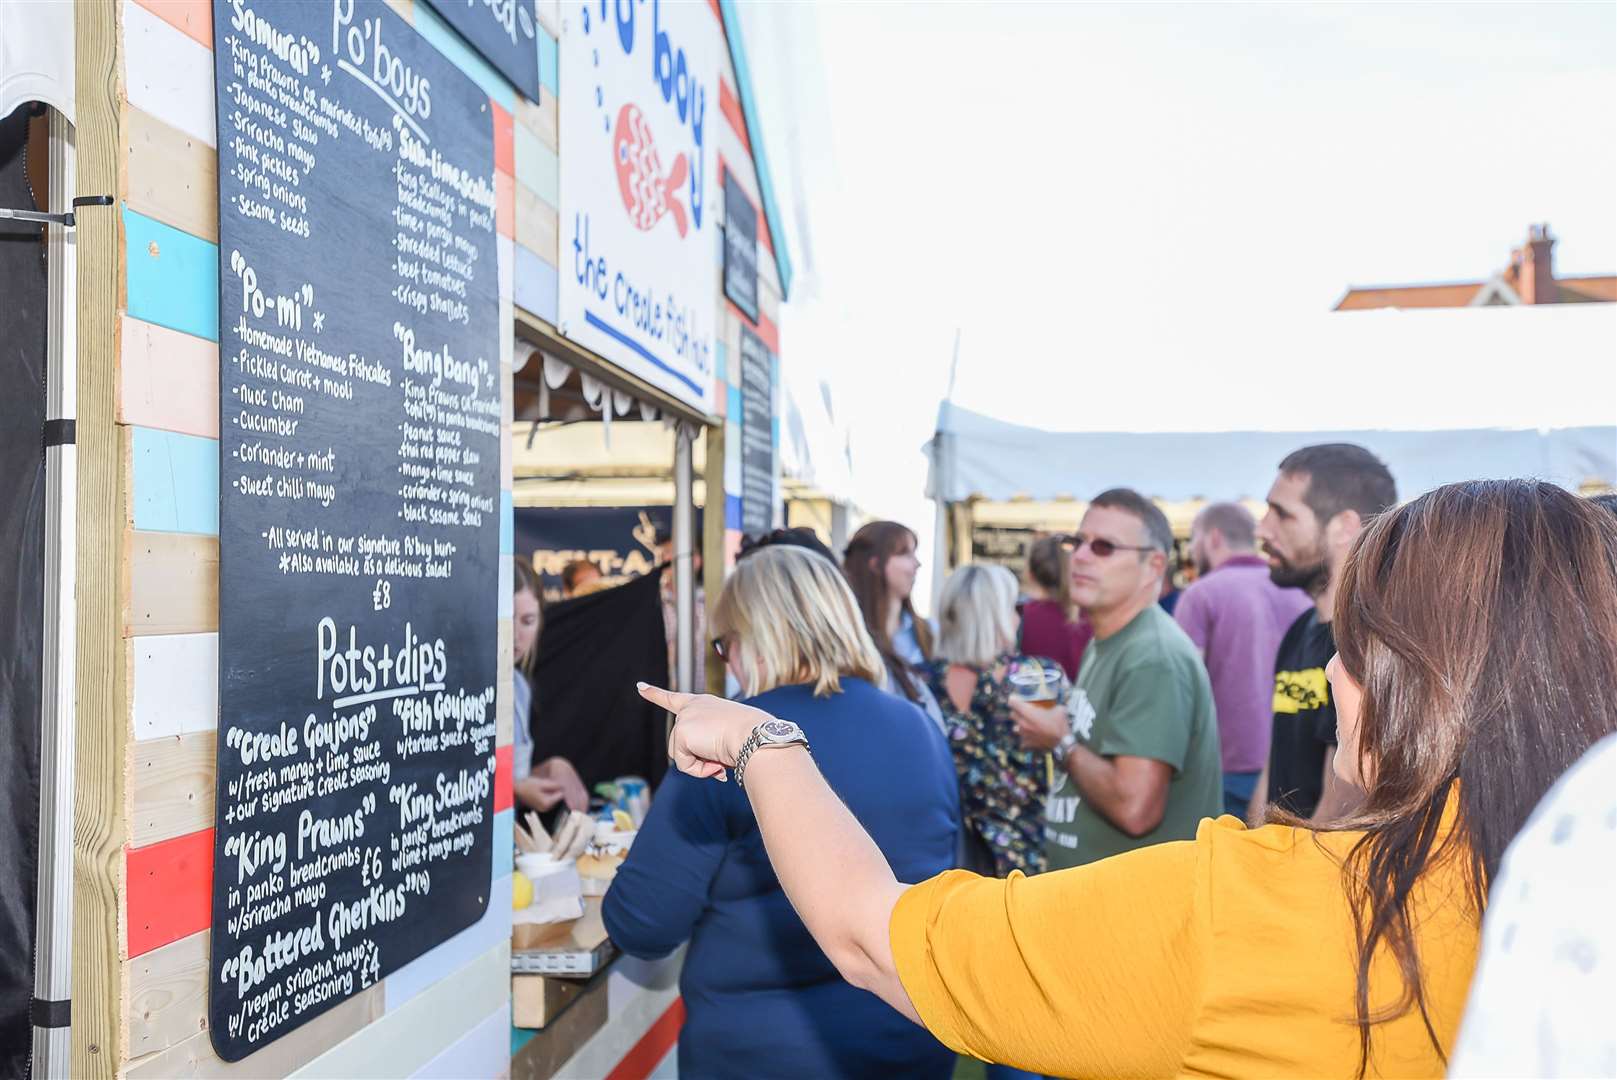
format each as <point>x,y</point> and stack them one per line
<point>1304,731</point>
<point>1318,505</point>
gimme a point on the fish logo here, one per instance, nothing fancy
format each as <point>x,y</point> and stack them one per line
<point>647,193</point>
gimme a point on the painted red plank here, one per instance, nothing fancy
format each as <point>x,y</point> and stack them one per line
<point>730,106</point>
<point>717,14</point>
<point>502,779</point>
<point>194,18</point>
<point>170,892</point>
<point>653,1046</point>
<point>505,155</point>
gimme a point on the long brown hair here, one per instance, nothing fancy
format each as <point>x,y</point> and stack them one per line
<point>865,563</point>
<point>524,579</point>
<point>1481,621</point>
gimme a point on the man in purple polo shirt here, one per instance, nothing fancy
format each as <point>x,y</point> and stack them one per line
<point>1237,616</point>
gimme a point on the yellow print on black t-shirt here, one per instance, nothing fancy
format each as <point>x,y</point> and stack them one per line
<point>1296,691</point>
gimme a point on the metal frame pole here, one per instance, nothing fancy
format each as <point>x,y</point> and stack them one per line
<point>53,931</point>
<point>684,572</point>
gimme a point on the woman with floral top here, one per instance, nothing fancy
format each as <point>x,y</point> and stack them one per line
<point>974,675</point>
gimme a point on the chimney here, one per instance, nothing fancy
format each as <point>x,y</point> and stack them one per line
<point>1537,284</point>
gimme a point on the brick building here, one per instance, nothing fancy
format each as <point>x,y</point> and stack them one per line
<point>1529,279</point>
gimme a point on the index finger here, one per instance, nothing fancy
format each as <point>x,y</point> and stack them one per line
<point>668,699</point>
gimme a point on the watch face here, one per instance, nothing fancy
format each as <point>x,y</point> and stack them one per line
<point>779,729</point>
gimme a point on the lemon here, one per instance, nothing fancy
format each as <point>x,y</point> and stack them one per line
<point>521,891</point>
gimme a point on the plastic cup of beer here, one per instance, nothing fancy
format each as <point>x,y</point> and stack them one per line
<point>1036,685</point>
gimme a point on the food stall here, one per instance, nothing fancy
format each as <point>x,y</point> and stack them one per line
<point>334,278</point>
<point>1420,389</point>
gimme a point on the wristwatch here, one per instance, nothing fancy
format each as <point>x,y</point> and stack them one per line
<point>1061,749</point>
<point>770,733</point>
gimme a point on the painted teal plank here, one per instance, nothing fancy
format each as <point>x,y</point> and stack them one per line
<point>173,277</point>
<point>537,166</point>
<point>176,482</point>
<point>520,1037</point>
<point>504,844</point>
<point>507,524</point>
<point>732,406</point>
<point>549,65</point>
<point>534,285</point>
<point>430,25</point>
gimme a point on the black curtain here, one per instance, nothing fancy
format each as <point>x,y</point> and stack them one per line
<point>585,707</point>
<point>23,300</point>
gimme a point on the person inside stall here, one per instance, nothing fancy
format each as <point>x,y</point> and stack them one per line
<point>761,998</point>
<point>554,781</point>
<point>577,576</point>
<point>881,565</point>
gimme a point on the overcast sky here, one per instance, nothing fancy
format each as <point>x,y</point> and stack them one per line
<point>1105,200</point>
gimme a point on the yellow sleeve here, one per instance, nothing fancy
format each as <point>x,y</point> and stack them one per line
<point>1093,972</point>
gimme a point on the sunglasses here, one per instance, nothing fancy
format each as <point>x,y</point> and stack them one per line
<point>720,649</point>
<point>1101,547</point>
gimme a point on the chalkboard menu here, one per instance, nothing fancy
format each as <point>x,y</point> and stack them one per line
<point>359,508</point>
<point>504,31</point>
<point>757,435</point>
<point>740,247</point>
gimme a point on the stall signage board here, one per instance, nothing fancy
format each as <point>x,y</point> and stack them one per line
<point>620,540</point>
<point>359,509</point>
<point>740,247</point>
<point>506,32</point>
<point>757,435</point>
<point>639,102</point>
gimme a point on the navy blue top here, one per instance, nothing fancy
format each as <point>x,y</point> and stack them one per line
<point>761,999</point>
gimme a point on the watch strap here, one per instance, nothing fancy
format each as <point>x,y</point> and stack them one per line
<point>757,740</point>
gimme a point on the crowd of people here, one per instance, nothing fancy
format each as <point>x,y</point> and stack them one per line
<point>1071,834</point>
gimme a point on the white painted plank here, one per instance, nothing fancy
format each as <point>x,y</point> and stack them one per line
<point>168,74</point>
<point>549,12</point>
<point>402,1042</point>
<point>430,968</point>
<point>507,570</point>
<point>638,993</point>
<point>505,270</point>
<point>176,684</point>
<point>484,1053</point>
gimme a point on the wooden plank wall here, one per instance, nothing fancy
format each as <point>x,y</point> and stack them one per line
<point>446,1013</point>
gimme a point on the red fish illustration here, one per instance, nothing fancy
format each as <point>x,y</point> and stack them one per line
<point>647,193</point>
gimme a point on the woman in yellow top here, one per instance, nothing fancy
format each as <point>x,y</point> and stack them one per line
<point>1476,630</point>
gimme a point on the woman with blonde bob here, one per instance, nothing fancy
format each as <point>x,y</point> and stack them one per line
<point>1476,634</point>
<point>761,998</point>
<point>974,674</point>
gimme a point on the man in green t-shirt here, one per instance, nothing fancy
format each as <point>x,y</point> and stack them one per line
<point>1136,751</point>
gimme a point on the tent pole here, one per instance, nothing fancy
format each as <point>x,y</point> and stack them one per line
<point>940,522</point>
<point>684,575</point>
<point>53,929</point>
